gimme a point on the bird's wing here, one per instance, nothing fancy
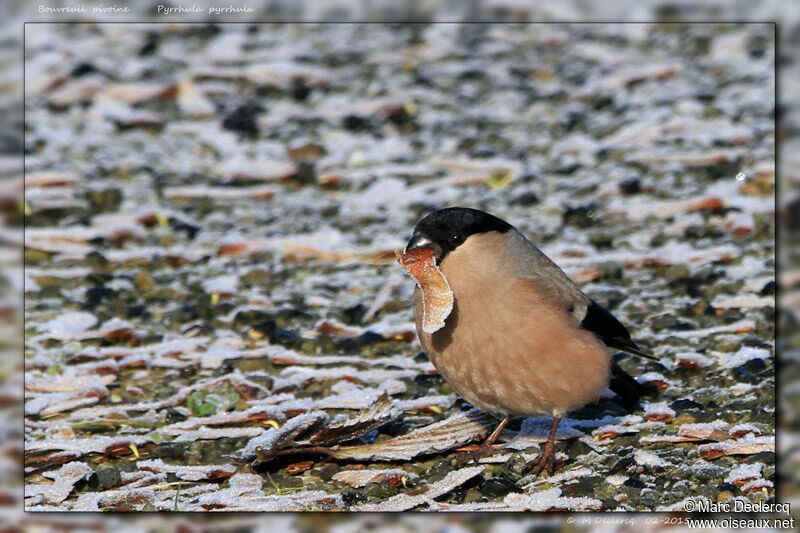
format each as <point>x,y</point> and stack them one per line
<point>609,330</point>
<point>625,387</point>
<point>547,278</point>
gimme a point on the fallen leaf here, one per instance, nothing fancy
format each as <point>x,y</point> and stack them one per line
<point>437,295</point>
<point>404,502</point>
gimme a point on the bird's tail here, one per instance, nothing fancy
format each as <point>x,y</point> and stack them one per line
<point>628,389</point>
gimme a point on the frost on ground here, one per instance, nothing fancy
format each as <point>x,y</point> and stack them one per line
<point>215,319</point>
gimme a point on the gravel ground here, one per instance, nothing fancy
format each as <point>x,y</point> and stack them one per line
<point>212,217</point>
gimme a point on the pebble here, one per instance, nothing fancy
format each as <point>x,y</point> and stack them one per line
<point>582,216</point>
<point>515,467</point>
<point>685,404</point>
<point>630,186</point>
<point>634,483</point>
<point>675,272</point>
<point>244,119</point>
<point>108,477</point>
<point>498,487</point>
<point>663,322</point>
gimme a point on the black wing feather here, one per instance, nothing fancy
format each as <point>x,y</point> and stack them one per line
<point>625,387</point>
<point>609,330</point>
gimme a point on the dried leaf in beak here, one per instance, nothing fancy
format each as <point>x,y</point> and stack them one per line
<point>437,296</point>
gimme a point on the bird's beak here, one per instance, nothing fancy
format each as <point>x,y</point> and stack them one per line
<point>422,241</point>
<point>418,241</point>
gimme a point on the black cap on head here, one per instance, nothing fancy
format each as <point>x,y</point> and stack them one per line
<point>447,228</point>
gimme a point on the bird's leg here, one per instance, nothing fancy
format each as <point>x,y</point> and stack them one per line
<point>486,448</point>
<point>547,459</point>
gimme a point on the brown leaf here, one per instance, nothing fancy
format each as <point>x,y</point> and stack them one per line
<point>738,433</point>
<point>747,446</point>
<point>607,435</point>
<point>232,249</point>
<point>246,388</point>
<point>712,431</point>
<point>656,384</point>
<point>404,502</point>
<point>659,417</point>
<point>440,436</point>
<point>297,468</point>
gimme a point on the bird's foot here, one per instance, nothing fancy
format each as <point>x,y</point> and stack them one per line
<point>474,454</point>
<point>465,457</point>
<point>545,462</point>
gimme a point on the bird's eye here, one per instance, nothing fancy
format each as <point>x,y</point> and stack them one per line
<point>456,239</point>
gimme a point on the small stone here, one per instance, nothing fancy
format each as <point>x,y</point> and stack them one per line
<point>515,467</point>
<point>754,365</point>
<point>355,123</point>
<point>674,272</point>
<point>755,341</point>
<point>150,44</point>
<point>440,468</point>
<point>576,448</point>
<point>97,261</point>
<point>634,483</point>
<point>483,151</point>
<point>173,415</point>
<point>622,465</point>
<point>370,337</point>
<point>765,457</point>
<point>348,346</point>
<point>768,289</point>
<point>191,230</point>
<point>352,497</point>
<point>525,199</point>
<point>583,216</point>
<point>658,240</point>
<point>82,69</point>
<point>109,477</point>
<point>728,343</point>
<point>742,374</point>
<point>662,322</point>
<point>104,201</point>
<point>169,451</point>
<point>244,119</point>
<point>306,151</point>
<point>96,295</point>
<point>585,486</point>
<point>300,90</point>
<point>136,310</point>
<point>421,357</point>
<point>251,317</point>
<point>144,282</point>
<point>701,308</point>
<point>609,503</point>
<point>611,270</point>
<point>355,313</point>
<point>608,297</point>
<point>601,241</point>
<point>573,119</point>
<point>498,487</point>
<point>630,186</point>
<point>685,404</point>
<point>706,231</point>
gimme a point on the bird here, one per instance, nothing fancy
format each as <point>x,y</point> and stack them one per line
<point>522,339</point>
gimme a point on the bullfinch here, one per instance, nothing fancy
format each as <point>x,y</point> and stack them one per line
<point>522,339</point>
